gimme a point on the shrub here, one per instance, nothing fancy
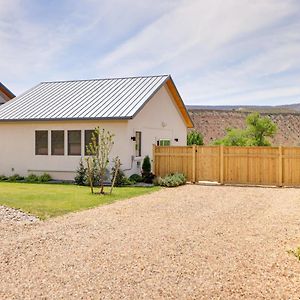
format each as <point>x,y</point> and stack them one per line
<point>146,170</point>
<point>121,178</point>
<point>44,177</point>
<point>32,178</point>
<point>136,178</point>
<point>194,138</point>
<point>172,180</point>
<point>81,174</point>
<point>148,178</point>
<point>146,166</point>
<point>3,178</point>
<point>156,181</point>
<point>15,177</point>
<point>127,181</point>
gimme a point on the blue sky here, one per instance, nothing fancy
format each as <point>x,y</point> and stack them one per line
<point>217,51</point>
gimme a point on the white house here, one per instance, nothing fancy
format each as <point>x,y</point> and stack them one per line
<point>5,94</point>
<point>46,129</point>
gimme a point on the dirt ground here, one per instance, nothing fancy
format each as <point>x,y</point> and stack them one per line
<point>192,242</point>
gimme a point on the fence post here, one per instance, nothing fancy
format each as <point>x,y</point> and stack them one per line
<point>222,164</point>
<point>194,164</point>
<point>280,168</point>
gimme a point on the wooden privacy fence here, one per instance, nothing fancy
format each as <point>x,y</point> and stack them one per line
<point>233,165</point>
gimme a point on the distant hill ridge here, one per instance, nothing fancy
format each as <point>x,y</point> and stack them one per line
<point>212,121</point>
<point>288,108</point>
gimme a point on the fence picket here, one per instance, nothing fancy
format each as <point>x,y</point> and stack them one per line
<point>237,165</point>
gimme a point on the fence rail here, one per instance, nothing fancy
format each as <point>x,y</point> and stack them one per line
<point>235,165</point>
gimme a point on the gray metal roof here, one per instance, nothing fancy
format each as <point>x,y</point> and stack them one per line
<point>114,98</point>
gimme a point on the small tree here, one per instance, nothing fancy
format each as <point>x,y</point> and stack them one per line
<point>146,166</point>
<point>194,137</point>
<point>234,137</point>
<point>256,133</point>
<point>100,148</point>
<point>259,129</point>
<point>115,172</point>
<point>90,172</point>
<point>146,170</point>
<point>81,174</point>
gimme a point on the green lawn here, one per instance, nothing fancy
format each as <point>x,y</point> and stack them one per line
<point>51,200</point>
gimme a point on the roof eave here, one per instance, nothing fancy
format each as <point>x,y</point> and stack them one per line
<point>177,98</point>
<point>67,119</point>
<point>179,102</point>
<point>6,91</point>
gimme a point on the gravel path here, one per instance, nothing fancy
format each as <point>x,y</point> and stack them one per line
<point>192,242</point>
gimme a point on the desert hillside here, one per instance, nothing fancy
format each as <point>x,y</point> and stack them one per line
<point>212,124</point>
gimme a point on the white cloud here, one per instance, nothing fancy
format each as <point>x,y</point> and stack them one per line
<point>206,37</point>
<point>192,27</point>
<point>34,48</point>
<point>233,51</point>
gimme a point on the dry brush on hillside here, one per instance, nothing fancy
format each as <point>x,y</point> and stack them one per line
<point>213,123</point>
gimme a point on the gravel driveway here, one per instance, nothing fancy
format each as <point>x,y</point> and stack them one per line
<point>192,242</point>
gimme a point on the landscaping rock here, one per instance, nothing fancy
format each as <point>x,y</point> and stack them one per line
<point>8,214</point>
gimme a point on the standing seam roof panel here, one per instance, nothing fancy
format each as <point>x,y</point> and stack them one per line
<point>71,99</point>
<point>116,102</point>
<point>101,100</point>
<point>100,87</point>
<point>22,103</point>
<point>141,97</point>
<point>121,98</point>
<point>109,98</point>
<point>134,107</point>
<point>56,93</point>
<point>34,103</point>
<point>83,99</point>
<point>80,111</point>
<point>146,83</point>
<point>112,100</point>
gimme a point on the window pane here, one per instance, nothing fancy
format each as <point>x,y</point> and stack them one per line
<point>74,142</point>
<point>164,142</point>
<point>138,143</point>
<point>41,142</point>
<point>88,134</point>
<point>57,142</point>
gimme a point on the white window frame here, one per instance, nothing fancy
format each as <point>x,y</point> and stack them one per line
<point>136,143</point>
<point>162,141</point>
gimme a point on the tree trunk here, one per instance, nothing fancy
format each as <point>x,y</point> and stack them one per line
<point>114,180</point>
<point>101,182</point>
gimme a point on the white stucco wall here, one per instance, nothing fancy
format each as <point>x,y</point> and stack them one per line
<point>159,119</point>
<point>17,148</point>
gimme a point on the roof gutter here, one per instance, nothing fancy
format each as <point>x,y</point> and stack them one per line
<point>66,119</point>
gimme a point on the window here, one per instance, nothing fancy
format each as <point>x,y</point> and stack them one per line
<point>57,142</point>
<point>88,134</point>
<point>41,142</point>
<point>74,142</point>
<point>138,143</point>
<point>164,143</point>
